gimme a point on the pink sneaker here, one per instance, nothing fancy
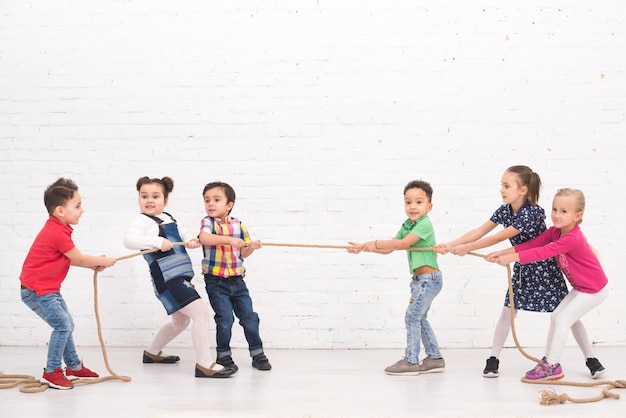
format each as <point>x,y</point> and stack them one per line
<point>83,373</point>
<point>545,371</point>
<point>56,380</point>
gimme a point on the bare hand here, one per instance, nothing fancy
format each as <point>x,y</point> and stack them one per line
<point>238,243</point>
<point>356,247</point>
<point>255,245</point>
<point>460,250</point>
<point>106,262</point>
<point>505,259</point>
<point>441,249</point>
<point>167,245</point>
<point>193,243</point>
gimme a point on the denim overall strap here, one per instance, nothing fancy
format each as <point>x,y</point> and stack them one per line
<point>170,264</point>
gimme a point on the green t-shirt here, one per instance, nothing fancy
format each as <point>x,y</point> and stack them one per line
<point>423,228</point>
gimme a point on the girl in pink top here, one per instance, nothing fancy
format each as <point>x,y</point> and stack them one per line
<point>566,242</point>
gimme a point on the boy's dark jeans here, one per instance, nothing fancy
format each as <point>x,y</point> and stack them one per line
<point>227,296</point>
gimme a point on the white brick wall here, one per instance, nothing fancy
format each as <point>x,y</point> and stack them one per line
<point>318,113</point>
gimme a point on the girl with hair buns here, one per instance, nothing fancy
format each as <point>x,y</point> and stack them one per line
<point>171,271</point>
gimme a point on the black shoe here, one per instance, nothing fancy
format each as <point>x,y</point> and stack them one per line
<point>204,372</point>
<point>151,358</point>
<point>261,362</point>
<point>491,369</point>
<point>227,361</point>
<point>595,367</point>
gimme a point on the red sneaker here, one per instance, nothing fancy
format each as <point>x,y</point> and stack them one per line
<point>83,373</point>
<point>56,380</point>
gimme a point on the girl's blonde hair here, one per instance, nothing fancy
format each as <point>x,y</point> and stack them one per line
<point>579,198</point>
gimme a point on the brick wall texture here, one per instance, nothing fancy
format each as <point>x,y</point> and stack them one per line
<point>317,113</point>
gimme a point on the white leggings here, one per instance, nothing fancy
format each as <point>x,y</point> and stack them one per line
<point>198,312</point>
<point>570,310</point>
<point>503,327</point>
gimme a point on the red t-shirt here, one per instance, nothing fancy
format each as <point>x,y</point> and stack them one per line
<point>46,265</point>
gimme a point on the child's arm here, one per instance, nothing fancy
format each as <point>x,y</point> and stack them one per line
<point>506,233</point>
<point>84,260</point>
<point>249,248</point>
<point>383,246</point>
<point>507,257</point>
<point>494,255</point>
<point>191,240</point>
<point>143,233</point>
<point>470,236</point>
<point>246,248</point>
<point>214,240</point>
<point>541,248</point>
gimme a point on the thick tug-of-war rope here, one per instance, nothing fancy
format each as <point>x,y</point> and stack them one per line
<point>32,385</point>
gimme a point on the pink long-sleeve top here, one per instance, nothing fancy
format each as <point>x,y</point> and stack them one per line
<point>573,254</point>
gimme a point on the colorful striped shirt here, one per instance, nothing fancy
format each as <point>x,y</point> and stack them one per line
<point>223,260</point>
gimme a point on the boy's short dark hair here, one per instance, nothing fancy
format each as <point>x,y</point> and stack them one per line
<point>420,184</point>
<point>58,193</point>
<point>228,190</point>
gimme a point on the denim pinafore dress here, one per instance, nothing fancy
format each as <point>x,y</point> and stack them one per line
<point>171,271</point>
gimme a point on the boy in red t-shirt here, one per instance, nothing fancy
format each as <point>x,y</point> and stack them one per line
<point>45,268</point>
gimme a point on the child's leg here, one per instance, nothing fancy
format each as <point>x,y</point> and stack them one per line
<point>50,308</point>
<point>571,309</point>
<point>501,333</point>
<point>249,320</point>
<point>199,314</point>
<point>582,339</point>
<point>423,291</point>
<point>168,332</point>
<point>219,292</point>
<point>431,345</point>
<point>70,355</point>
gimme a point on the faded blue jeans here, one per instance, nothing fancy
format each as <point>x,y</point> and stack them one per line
<point>52,309</point>
<point>424,288</point>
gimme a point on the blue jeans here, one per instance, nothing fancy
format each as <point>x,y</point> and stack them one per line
<point>52,309</point>
<point>424,288</point>
<point>228,295</point>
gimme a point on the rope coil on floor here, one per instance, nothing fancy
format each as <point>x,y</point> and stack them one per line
<point>550,397</point>
<point>30,384</point>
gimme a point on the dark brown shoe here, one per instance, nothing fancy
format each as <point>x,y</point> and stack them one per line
<point>204,372</point>
<point>158,358</point>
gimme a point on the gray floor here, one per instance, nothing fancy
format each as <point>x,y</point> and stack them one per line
<point>310,383</point>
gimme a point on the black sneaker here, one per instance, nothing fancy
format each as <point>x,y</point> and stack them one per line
<point>595,367</point>
<point>261,362</point>
<point>227,361</point>
<point>491,369</point>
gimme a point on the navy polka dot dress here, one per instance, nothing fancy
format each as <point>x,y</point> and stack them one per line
<point>541,285</point>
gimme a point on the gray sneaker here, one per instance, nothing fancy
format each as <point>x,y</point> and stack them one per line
<point>403,368</point>
<point>432,365</point>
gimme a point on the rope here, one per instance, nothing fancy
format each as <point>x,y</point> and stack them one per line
<point>548,397</point>
<point>282,244</point>
<point>32,385</point>
<point>340,247</point>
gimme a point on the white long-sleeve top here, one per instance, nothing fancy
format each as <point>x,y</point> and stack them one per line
<point>143,232</point>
